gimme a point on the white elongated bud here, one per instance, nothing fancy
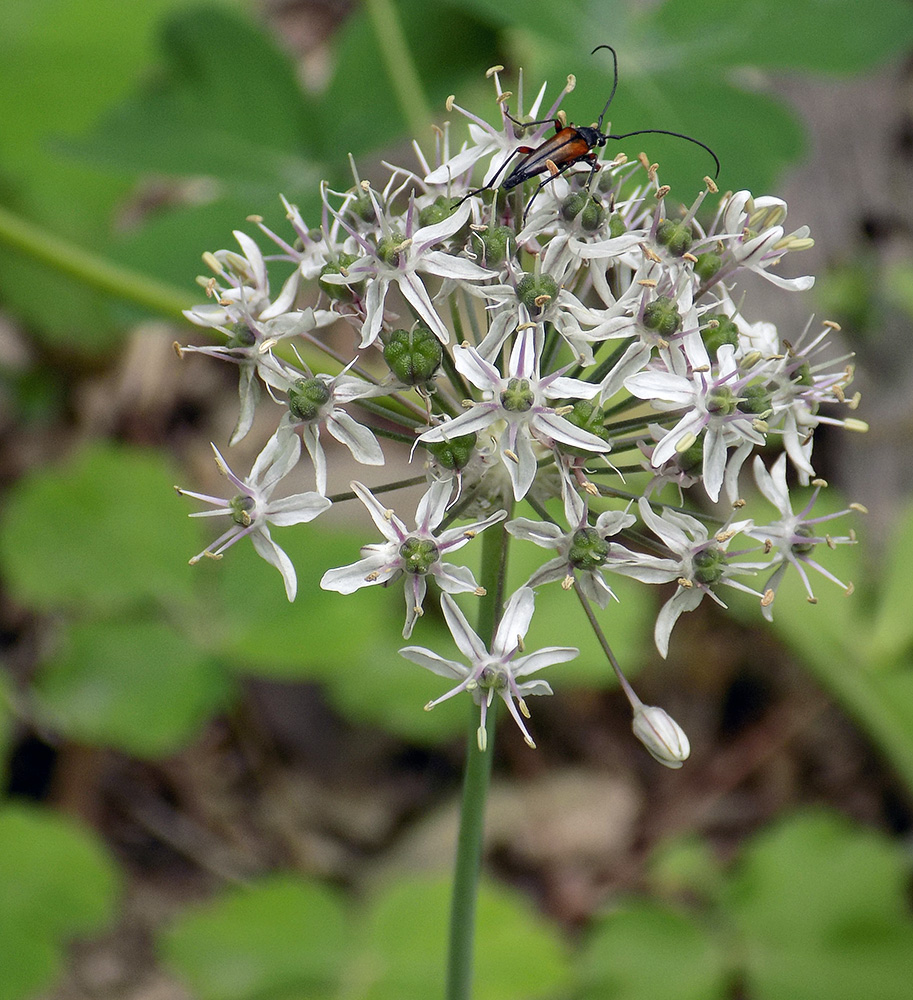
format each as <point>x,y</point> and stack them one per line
<point>663,737</point>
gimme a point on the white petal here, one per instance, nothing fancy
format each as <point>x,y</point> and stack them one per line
<point>252,253</point>
<point>297,509</point>
<point>525,665</point>
<point>390,526</point>
<point>564,432</point>
<point>433,505</point>
<point>360,441</point>
<point>438,231</point>
<point>348,579</point>
<point>436,664</point>
<point>515,624</point>
<point>522,469</point>
<point>543,533</point>
<point>470,364</point>
<point>470,422</point>
<point>684,599</point>
<point>271,552</point>
<point>469,644</point>
<point>454,579</point>
<point>417,295</point>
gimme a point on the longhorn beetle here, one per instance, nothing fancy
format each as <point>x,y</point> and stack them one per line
<point>569,145</point>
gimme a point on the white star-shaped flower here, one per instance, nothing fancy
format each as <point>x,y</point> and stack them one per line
<point>497,671</point>
<point>417,554</point>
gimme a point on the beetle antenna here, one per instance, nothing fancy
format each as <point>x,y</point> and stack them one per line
<point>614,85</point>
<point>678,135</point>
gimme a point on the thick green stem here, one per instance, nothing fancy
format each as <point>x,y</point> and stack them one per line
<point>475,783</point>
<point>400,66</point>
<point>92,270</point>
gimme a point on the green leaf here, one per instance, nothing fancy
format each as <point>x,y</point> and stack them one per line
<point>402,950</point>
<point>242,123</point>
<point>754,135</point>
<point>280,937</point>
<point>137,686</point>
<point>226,104</point>
<point>805,35</point>
<point>686,867</point>
<point>822,910</point>
<point>58,883</point>
<point>643,951</point>
<point>358,112</point>
<point>169,246</point>
<point>61,63</point>
<point>892,628</point>
<point>98,532</point>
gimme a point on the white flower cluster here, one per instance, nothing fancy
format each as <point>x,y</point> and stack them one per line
<point>527,351</point>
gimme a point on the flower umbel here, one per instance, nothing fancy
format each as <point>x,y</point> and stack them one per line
<point>504,348</point>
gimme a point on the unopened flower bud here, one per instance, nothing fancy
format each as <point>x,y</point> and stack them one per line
<point>592,216</point>
<point>617,226</point>
<point>719,329</point>
<point>390,247</point>
<point>663,737</point>
<point>573,205</point>
<point>590,418</point>
<point>362,207</point>
<point>755,399</point>
<point>707,265</point>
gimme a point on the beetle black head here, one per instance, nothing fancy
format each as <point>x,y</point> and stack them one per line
<point>591,136</point>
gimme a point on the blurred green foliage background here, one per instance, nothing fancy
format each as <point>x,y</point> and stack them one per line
<point>135,136</point>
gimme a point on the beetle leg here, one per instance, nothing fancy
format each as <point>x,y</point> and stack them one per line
<point>553,175</point>
<point>594,166</point>
<point>525,150</point>
<point>543,121</point>
<point>556,171</point>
